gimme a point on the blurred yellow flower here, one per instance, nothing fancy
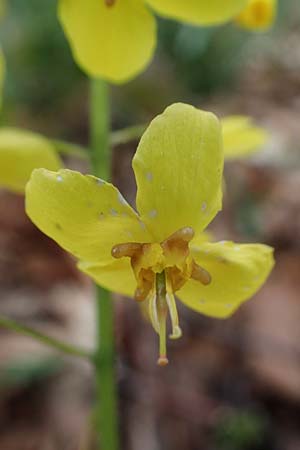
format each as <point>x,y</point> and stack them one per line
<point>241,137</point>
<point>20,152</point>
<point>162,250</point>
<point>258,15</point>
<point>115,39</point>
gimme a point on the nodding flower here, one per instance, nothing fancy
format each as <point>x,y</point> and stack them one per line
<point>159,252</point>
<point>116,39</point>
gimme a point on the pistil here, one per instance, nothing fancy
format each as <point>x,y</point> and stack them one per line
<point>162,310</point>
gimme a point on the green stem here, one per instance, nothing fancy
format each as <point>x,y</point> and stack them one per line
<point>68,148</point>
<point>106,407</point>
<point>100,129</point>
<point>118,137</point>
<point>127,134</point>
<point>45,339</point>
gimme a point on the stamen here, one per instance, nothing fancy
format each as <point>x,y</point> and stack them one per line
<point>145,285</point>
<point>200,274</point>
<point>178,240</point>
<point>153,313</point>
<point>185,234</point>
<point>129,249</point>
<point>176,330</point>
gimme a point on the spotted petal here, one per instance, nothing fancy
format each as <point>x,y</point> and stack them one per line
<point>85,215</point>
<point>203,12</point>
<point>241,137</point>
<point>20,153</point>
<point>116,276</point>
<point>114,42</point>
<point>178,167</point>
<point>237,272</point>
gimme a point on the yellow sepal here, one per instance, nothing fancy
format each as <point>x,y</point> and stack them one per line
<point>198,12</point>
<point>241,137</point>
<point>237,272</point>
<point>178,168</point>
<point>112,42</point>
<point>21,152</point>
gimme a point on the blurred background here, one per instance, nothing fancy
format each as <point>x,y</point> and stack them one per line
<point>231,385</point>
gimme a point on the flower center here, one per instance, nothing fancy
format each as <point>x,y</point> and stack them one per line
<point>160,270</point>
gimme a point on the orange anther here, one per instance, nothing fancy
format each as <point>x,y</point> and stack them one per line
<point>200,274</point>
<point>129,249</point>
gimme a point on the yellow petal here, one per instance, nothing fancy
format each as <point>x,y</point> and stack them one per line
<point>116,276</point>
<point>113,42</point>
<point>178,168</point>
<point>20,153</point>
<point>258,15</point>
<point>241,137</point>
<point>237,272</point>
<point>83,214</point>
<point>202,12</point>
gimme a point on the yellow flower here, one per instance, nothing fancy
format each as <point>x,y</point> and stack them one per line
<point>241,137</point>
<point>258,15</point>
<point>20,152</point>
<point>115,39</point>
<point>162,250</point>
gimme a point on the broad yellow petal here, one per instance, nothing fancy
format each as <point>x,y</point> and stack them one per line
<point>237,272</point>
<point>178,168</point>
<point>203,12</point>
<point>21,152</point>
<point>83,214</point>
<point>113,42</point>
<point>117,276</point>
<point>241,137</point>
<point>258,15</point>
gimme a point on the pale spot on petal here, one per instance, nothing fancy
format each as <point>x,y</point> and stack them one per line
<point>142,225</point>
<point>101,216</point>
<point>113,212</point>
<point>202,301</point>
<point>149,176</point>
<point>246,288</point>
<point>59,178</point>
<point>100,182</point>
<point>152,213</point>
<point>228,306</point>
<point>203,207</point>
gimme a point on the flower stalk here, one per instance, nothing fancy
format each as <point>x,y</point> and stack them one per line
<point>106,404</point>
<point>54,343</point>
